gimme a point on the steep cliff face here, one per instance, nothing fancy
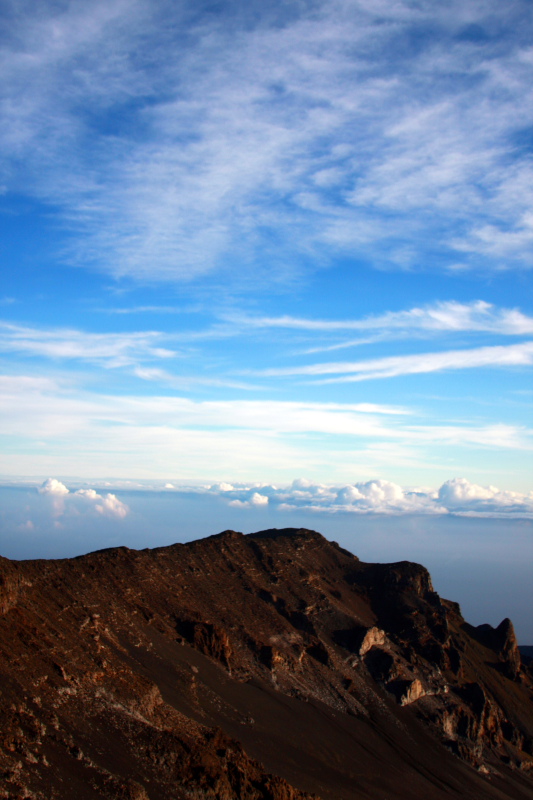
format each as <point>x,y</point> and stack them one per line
<point>274,665</point>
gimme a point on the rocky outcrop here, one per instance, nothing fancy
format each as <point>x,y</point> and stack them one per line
<point>274,665</point>
<point>503,641</point>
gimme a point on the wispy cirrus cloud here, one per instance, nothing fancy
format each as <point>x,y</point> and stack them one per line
<point>187,382</point>
<point>140,349</point>
<point>107,349</point>
<point>442,317</point>
<point>401,129</point>
<point>145,310</point>
<point>515,355</point>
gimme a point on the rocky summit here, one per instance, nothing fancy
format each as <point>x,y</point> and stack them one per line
<point>271,666</point>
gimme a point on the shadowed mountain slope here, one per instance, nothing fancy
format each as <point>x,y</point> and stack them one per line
<point>273,666</point>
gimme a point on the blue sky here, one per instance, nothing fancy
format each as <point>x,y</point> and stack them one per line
<point>277,252</point>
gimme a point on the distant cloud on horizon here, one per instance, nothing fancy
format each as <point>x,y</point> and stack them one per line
<point>456,496</point>
<point>81,501</point>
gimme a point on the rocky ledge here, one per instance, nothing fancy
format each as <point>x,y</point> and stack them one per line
<point>272,666</point>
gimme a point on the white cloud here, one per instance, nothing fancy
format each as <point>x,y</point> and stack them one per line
<point>244,440</point>
<point>109,349</point>
<point>107,505</point>
<point>259,499</point>
<point>459,494</point>
<point>253,120</point>
<point>17,385</point>
<point>54,487</point>
<point>222,487</point>
<point>111,506</point>
<point>389,367</point>
<point>67,503</point>
<point>255,500</point>
<point>56,492</point>
<point>445,317</point>
<point>135,350</point>
<point>456,496</point>
<point>187,382</point>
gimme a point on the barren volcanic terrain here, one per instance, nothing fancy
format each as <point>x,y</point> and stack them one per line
<point>272,666</point>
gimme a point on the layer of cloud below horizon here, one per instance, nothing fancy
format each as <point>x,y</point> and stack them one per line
<point>61,508</point>
<point>456,496</point>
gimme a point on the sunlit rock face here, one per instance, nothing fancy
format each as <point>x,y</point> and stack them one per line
<point>274,665</point>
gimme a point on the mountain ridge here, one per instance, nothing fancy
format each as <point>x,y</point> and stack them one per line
<point>267,665</point>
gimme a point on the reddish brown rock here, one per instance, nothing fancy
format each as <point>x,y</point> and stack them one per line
<point>274,666</point>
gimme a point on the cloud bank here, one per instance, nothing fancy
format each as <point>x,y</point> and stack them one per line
<point>456,497</point>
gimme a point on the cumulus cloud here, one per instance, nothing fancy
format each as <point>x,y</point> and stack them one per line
<point>54,487</point>
<point>82,501</point>
<point>255,499</point>
<point>457,496</point>
<point>56,492</point>
<point>111,506</point>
